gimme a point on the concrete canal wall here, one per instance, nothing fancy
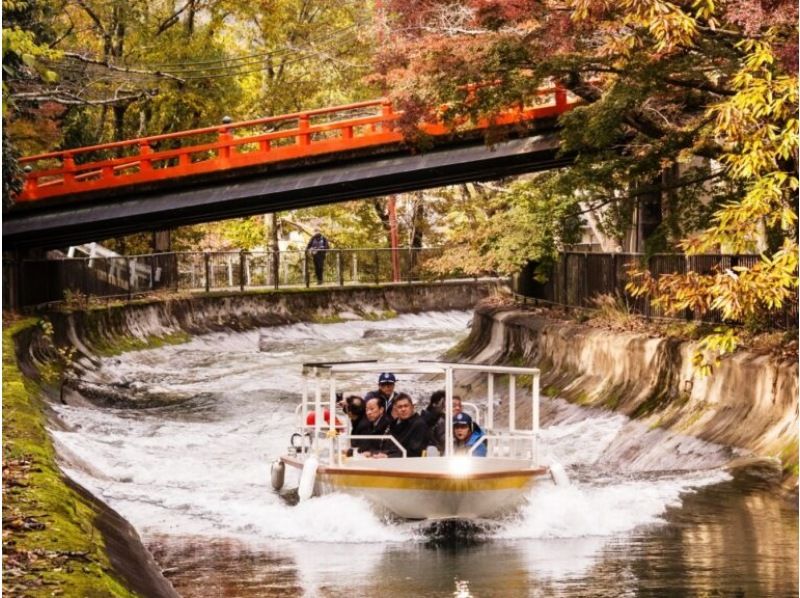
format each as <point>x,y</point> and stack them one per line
<point>749,402</point>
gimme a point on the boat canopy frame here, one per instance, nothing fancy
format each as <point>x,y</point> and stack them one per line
<point>322,372</point>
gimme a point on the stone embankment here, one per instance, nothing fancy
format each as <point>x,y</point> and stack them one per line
<point>749,402</point>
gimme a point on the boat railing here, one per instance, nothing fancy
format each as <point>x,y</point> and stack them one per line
<point>343,437</point>
<point>506,446</point>
<point>336,432</point>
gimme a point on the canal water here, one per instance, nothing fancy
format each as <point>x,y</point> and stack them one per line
<point>643,515</point>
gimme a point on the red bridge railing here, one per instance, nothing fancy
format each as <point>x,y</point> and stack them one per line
<point>238,145</point>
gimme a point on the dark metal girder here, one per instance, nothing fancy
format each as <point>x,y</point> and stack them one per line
<point>357,179</point>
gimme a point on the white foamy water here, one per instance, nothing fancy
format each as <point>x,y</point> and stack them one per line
<point>201,467</point>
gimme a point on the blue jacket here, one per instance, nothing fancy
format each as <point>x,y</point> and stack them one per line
<point>474,438</point>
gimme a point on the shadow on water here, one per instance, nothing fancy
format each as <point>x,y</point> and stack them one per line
<point>456,533</point>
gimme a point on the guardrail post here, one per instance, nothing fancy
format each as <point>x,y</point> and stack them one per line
<point>377,266</point>
<point>306,273</point>
<point>144,150</point>
<point>339,273</point>
<point>225,139</point>
<point>614,274</point>
<point>131,276</point>
<point>207,263</point>
<point>387,113</point>
<point>276,272</point>
<point>242,267</point>
<point>561,99</point>
<point>303,124</point>
<point>68,162</point>
<point>585,289</point>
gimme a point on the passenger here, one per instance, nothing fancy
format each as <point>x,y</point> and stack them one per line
<point>456,406</point>
<point>465,436</point>
<point>354,408</point>
<point>409,429</point>
<point>385,392</point>
<point>377,425</point>
<point>457,409</point>
<point>433,415</point>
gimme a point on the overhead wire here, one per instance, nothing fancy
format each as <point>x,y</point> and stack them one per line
<point>301,52</point>
<point>190,65</point>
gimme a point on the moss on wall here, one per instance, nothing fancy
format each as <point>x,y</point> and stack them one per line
<point>51,545</point>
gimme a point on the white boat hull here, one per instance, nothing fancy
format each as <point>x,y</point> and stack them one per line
<point>431,488</point>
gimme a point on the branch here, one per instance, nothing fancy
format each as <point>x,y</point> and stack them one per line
<point>68,99</point>
<point>172,19</point>
<point>647,189</point>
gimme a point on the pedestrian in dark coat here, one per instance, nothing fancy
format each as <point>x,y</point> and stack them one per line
<point>317,248</point>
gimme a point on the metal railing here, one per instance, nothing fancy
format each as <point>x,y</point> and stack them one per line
<point>577,279</point>
<point>328,436</point>
<point>52,280</point>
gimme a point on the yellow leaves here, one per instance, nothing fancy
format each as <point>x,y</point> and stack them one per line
<point>704,9</point>
<point>722,341</point>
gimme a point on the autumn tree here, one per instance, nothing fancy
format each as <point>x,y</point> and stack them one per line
<point>696,100</point>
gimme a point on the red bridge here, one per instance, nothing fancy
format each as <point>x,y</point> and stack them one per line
<point>263,165</point>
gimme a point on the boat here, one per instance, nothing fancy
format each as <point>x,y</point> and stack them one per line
<point>446,486</point>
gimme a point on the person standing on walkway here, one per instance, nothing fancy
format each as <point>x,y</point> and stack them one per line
<point>316,248</point>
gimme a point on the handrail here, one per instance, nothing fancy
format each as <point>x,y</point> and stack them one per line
<point>350,437</point>
<point>226,152</point>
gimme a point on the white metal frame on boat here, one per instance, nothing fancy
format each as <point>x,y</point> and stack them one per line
<point>335,433</point>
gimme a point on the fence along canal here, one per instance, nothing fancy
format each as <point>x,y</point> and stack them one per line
<point>51,280</point>
<point>578,279</point>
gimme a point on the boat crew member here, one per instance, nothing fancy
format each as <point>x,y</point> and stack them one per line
<point>433,415</point>
<point>377,425</point>
<point>457,409</point>
<point>466,436</point>
<point>385,391</point>
<point>409,429</point>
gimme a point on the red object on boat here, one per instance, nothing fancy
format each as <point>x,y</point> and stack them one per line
<point>311,419</point>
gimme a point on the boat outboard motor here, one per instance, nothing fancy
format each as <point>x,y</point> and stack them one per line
<point>277,474</point>
<point>307,478</point>
<point>557,473</point>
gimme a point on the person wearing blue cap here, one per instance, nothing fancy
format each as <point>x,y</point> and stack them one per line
<point>465,436</point>
<point>385,392</point>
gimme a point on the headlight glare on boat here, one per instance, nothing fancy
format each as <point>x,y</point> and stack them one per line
<point>461,465</point>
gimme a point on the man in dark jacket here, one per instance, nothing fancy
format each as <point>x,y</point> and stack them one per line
<point>316,248</point>
<point>409,428</point>
<point>377,424</point>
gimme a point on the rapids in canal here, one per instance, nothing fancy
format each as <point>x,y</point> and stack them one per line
<point>638,518</point>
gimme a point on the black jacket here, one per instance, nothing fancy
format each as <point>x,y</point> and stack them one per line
<point>379,428</point>
<point>412,433</point>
